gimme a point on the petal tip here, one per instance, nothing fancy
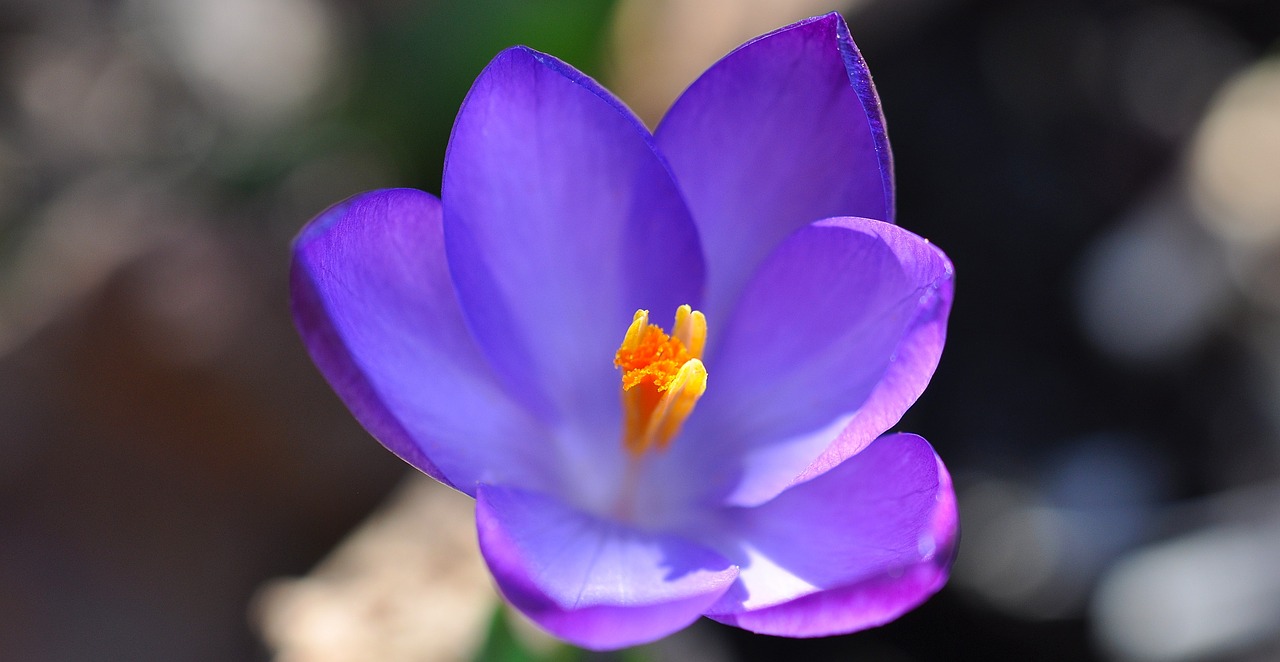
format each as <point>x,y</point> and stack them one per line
<point>334,214</point>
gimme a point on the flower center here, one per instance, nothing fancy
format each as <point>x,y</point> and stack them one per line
<point>662,378</point>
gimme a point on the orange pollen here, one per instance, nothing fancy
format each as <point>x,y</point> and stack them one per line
<point>662,378</point>
<point>653,360</point>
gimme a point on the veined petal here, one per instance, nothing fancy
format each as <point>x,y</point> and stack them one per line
<point>783,131</point>
<point>560,222</point>
<point>372,298</point>
<point>589,581</point>
<point>835,337</point>
<point>854,548</point>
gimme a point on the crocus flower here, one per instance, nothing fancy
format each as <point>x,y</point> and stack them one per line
<point>630,476</point>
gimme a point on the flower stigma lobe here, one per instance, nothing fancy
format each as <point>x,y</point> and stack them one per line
<point>662,378</point>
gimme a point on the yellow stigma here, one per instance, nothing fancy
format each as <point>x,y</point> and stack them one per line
<point>662,378</point>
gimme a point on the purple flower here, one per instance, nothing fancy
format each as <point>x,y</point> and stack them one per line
<point>629,479</point>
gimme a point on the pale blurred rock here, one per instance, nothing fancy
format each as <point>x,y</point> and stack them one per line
<point>409,584</point>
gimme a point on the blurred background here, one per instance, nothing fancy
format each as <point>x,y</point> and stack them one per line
<point>1105,175</point>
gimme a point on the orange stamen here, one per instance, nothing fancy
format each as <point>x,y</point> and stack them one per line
<point>662,378</point>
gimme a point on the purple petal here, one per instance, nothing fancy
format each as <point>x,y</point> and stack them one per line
<point>852,549</point>
<point>560,222</point>
<point>590,581</point>
<point>372,299</point>
<point>783,131</point>
<point>836,336</point>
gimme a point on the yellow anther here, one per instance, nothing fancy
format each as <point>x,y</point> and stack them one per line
<point>662,377</point>
<point>690,329</point>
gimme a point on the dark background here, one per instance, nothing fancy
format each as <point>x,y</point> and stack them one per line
<point>1099,172</point>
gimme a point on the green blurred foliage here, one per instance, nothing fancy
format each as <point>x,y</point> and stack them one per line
<point>501,645</point>
<point>417,68</point>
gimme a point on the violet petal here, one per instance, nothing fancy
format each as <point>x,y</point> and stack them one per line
<point>372,299</point>
<point>783,131</point>
<point>591,581</point>
<point>854,548</point>
<point>560,222</point>
<point>836,336</point>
